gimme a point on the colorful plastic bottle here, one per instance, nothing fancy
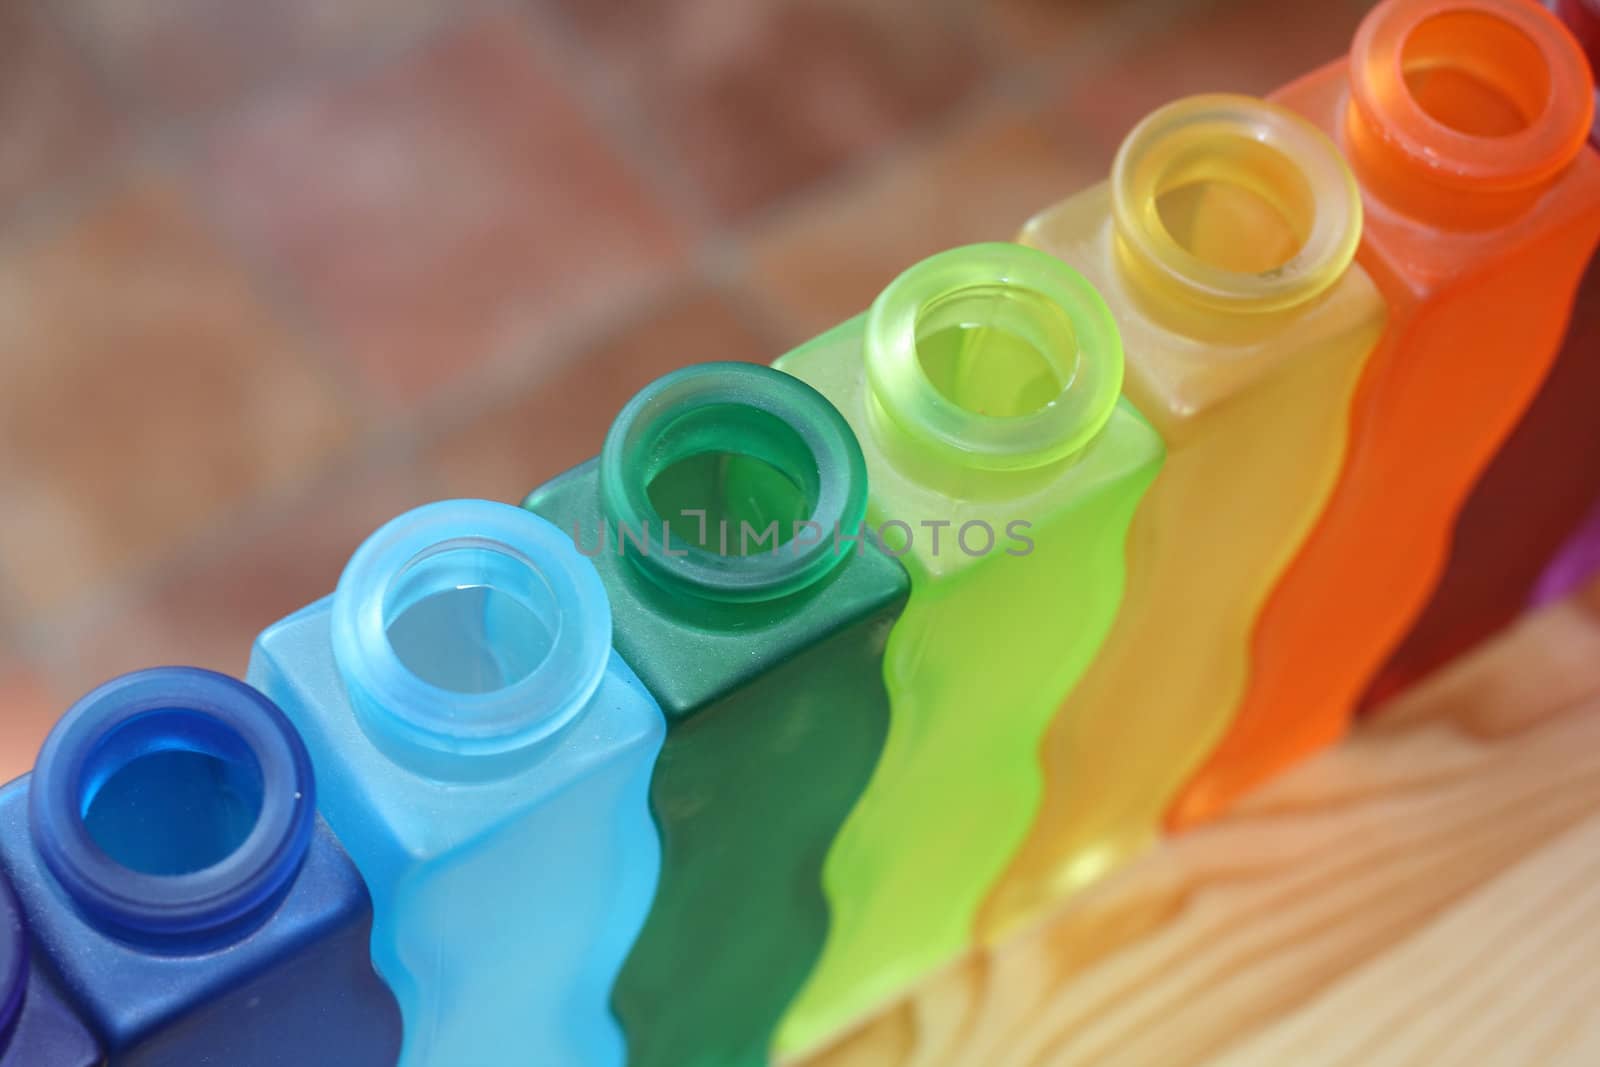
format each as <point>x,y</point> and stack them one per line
<point>179,892</point>
<point>983,385</point>
<point>1223,244</point>
<point>1464,121</point>
<point>37,1027</point>
<point>763,643</point>
<point>1533,497</point>
<point>484,755</point>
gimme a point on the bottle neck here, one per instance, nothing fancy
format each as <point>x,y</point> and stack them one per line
<point>174,806</point>
<point>732,484</point>
<point>1228,208</point>
<point>1461,112</point>
<point>468,635</point>
<point>989,362</point>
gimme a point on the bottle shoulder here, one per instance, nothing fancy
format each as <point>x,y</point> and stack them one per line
<point>688,652</point>
<point>1126,447</point>
<point>1419,262</point>
<point>129,992</point>
<point>569,496</point>
<point>383,808</point>
<point>1133,443</point>
<point>1415,258</point>
<point>1180,365</point>
<point>830,362</point>
<point>699,655</point>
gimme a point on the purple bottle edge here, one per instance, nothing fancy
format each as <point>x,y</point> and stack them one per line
<point>1576,563</point>
<point>13,962</point>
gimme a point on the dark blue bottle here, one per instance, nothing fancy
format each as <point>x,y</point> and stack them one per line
<point>171,871</point>
<point>37,1028</point>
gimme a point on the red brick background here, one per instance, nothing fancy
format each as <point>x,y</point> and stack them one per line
<point>273,272</point>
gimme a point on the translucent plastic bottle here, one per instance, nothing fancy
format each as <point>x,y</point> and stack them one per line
<point>179,892</point>
<point>484,755</point>
<point>1223,244</point>
<point>1532,498</point>
<point>1464,121</point>
<point>983,385</point>
<point>37,1027</point>
<point>767,658</point>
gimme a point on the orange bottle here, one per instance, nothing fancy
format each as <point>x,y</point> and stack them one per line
<point>1534,496</point>
<point>1465,122</point>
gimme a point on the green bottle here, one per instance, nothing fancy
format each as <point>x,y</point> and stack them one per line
<point>725,516</point>
<point>1004,470</point>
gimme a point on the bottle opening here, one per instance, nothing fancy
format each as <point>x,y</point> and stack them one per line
<point>993,357</point>
<point>470,619</point>
<point>1476,73</point>
<point>173,804</point>
<point>1232,203</point>
<point>467,632</point>
<point>1482,100</point>
<point>711,474</point>
<point>1239,206</point>
<point>995,350</point>
<point>732,503</point>
<point>165,799</point>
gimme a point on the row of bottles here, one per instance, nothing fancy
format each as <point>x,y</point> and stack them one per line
<point>1223,242</point>
<point>819,674</point>
<point>1465,125</point>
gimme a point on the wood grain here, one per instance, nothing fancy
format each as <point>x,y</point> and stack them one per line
<point>1428,893</point>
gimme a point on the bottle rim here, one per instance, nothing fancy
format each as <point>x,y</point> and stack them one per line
<point>1208,122</point>
<point>666,422</point>
<point>157,709</point>
<point>1528,157</point>
<point>964,438</point>
<point>446,732</point>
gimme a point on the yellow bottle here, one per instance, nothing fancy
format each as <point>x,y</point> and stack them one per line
<point>1223,245</point>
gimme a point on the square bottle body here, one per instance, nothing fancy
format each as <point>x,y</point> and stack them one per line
<point>1435,401</point>
<point>959,780</point>
<point>1254,408</point>
<point>503,907</point>
<point>298,989</point>
<point>777,714</point>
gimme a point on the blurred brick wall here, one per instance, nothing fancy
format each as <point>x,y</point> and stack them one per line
<point>271,273</point>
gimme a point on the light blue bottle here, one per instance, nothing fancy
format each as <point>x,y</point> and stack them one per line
<point>485,757</point>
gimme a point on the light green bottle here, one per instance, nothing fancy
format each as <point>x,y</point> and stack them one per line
<point>1004,469</point>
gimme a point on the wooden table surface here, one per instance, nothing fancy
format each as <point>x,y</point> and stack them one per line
<point>1428,893</point>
